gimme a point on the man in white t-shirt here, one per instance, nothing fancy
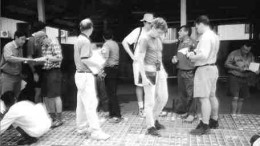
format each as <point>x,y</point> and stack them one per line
<point>133,38</point>
<point>30,120</point>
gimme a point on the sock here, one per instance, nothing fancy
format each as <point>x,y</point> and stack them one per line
<point>59,116</point>
<point>214,117</point>
<point>141,104</point>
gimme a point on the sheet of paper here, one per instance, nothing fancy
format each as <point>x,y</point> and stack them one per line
<point>184,51</point>
<point>99,60</point>
<point>254,67</point>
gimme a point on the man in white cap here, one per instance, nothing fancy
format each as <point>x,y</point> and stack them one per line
<point>133,38</point>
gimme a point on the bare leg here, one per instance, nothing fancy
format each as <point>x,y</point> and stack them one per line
<point>140,96</point>
<point>37,97</point>
<point>239,105</point>
<point>205,110</point>
<point>214,107</point>
<point>234,105</point>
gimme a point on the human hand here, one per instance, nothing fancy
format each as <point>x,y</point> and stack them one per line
<point>146,81</point>
<point>135,59</point>
<point>28,60</point>
<point>190,54</point>
<point>174,59</point>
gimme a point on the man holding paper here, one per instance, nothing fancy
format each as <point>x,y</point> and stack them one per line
<point>241,66</point>
<point>185,74</point>
<point>87,67</point>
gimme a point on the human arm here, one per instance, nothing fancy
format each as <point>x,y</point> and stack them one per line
<point>129,40</point>
<point>230,63</point>
<point>9,118</point>
<point>11,57</point>
<point>141,55</point>
<point>202,51</point>
<point>164,41</point>
<point>105,51</point>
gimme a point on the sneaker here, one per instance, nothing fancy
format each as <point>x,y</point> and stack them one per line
<point>83,131</point>
<point>153,131</point>
<point>99,135</point>
<point>141,112</point>
<point>27,141</point>
<point>183,116</point>
<point>56,123</point>
<point>200,129</point>
<point>213,124</point>
<point>115,120</point>
<point>158,126</point>
<point>163,114</point>
<point>190,119</point>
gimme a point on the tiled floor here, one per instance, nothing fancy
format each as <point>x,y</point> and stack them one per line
<point>233,131</point>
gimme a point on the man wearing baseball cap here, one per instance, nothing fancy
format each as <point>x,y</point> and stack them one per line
<point>133,39</point>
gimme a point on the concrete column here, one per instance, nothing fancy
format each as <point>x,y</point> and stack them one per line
<point>183,12</point>
<point>41,10</point>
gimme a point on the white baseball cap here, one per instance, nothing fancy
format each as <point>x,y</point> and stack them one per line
<point>148,17</point>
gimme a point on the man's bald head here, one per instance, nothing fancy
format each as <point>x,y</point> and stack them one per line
<point>85,24</point>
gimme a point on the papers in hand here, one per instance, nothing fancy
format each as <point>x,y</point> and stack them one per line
<point>97,61</point>
<point>254,67</point>
<point>184,51</point>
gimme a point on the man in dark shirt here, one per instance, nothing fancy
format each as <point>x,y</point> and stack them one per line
<point>238,63</point>
<point>185,73</point>
<point>11,64</point>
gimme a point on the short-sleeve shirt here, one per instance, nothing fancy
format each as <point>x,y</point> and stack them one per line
<point>208,45</point>
<point>133,36</point>
<point>13,68</point>
<point>184,63</point>
<point>153,49</point>
<point>111,52</point>
<point>82,50</point>
<point>235,58</point>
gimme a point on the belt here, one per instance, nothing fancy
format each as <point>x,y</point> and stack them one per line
<point>187,70</point>
<point>95,75</point>
<point>83,71</point>
<point>212,64</point>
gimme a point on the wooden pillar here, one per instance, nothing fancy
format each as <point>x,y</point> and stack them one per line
<point>41,10</point>
<point>183,12</point>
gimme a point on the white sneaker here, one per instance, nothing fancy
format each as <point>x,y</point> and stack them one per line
<point>99,135</point>
<point>83,131</point>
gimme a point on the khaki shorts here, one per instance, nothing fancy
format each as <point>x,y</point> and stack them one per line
<point>205,81</point>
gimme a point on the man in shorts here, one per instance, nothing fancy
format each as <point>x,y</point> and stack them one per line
<point>206,75</point>
<point>237,64</point>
